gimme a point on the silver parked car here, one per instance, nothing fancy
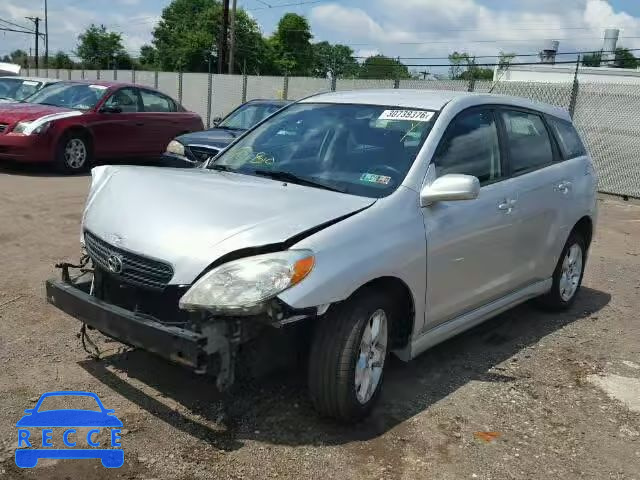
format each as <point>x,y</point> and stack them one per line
<point>385,221</point>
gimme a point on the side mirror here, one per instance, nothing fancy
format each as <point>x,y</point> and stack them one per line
<point>111,110</point>
<point>450,187</point>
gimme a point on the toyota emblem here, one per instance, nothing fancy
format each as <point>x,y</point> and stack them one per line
<point>114,262</point>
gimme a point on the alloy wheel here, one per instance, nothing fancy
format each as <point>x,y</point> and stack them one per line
<point>370,362</point>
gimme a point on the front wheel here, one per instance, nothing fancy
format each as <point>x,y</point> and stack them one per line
<point>73,154</point>
<point>567,277</point>
<point>347,356</point>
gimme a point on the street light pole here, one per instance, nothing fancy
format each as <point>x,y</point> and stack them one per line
<point>36,21</point>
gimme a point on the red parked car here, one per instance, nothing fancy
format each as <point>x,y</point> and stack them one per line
<point>73,123</point>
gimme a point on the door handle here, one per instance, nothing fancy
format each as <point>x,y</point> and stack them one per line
<point>139,124</point>
<point>507,205</point>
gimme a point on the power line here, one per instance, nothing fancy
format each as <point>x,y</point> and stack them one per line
<point>294,4</point>
<point>14,24</point>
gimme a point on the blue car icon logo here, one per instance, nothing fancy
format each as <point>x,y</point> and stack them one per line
<point>32,446</point>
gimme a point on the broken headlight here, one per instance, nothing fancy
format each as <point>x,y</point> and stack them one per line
<point>243,285</point>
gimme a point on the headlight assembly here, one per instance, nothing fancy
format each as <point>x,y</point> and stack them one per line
<point>175,147</point>
<point>243,285</point>
<point>29,128</point>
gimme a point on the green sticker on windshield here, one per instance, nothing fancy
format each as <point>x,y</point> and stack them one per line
<point>373,178</point>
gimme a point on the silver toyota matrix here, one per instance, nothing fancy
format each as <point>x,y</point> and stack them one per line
<point>350,224</point>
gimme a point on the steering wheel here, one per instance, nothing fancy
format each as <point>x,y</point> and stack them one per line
<point>386,170</point>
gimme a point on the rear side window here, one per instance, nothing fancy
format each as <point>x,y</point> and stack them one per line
<point>470,146</point>
<point>156,102</point>
<point>528,141</point>
<point>569,140</point>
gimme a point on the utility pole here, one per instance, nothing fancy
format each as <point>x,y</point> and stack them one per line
<point>232,36</point>
<point>46,35</point>
<point>36,21</point>
<point>223,37</point>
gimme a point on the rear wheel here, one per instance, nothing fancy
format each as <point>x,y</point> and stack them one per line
<point>347,357</point>
<point>73,154</point>
<point>567,277</point>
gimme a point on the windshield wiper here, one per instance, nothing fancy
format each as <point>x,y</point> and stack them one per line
<point>293,178</point>
<point>220,168</point>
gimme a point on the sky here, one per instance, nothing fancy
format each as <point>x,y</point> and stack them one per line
<point>404,28</point>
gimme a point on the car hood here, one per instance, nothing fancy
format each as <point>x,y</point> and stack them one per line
<point>190,218</point>
<point>16,112</point>
<point>214,137</point>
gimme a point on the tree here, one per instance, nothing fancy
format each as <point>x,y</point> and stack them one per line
<point>101,49</point>
<point>61,60</point>
<point>333,60</point>
<point>625,59</point>
<point>592,60</point>
<point>19,57</point>
<point>148,57</point>
<point>505,59</point>
<point>379,66</point>
<point>291,43</point>
<point>476,73</point>
<point>189,32</point>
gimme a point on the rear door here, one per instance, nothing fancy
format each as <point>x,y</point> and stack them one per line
<point>538,198</point>
<point>163,122</point>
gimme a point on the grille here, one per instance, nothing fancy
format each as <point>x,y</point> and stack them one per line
<point>3,127</point>
<point>202,153</point>
<point>136,269</point>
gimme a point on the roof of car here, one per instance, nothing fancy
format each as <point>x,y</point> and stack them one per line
<point>271,101</point>
<point>35,79</point>
<point>426,99</point>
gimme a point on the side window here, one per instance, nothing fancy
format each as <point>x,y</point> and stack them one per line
<point>156,102</point>
<point>126,99</point>
<point>528,141</point>
<point>569,140</point>
<point>470,146</point>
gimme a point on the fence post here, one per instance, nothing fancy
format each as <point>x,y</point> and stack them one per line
<point>245,80</point>
<point>155,79</point>
<point>69,74</point>
<point>82,73</point>
<point>98,74</point>
<point>472,84</point>
<point>57,73</point>
<point>209,93</point>
<point>334,83</point>
<point>180,85</point>
<point>574,90</point>
<point>115,72</point>
<point>285,86</point>
<point>133,74</point>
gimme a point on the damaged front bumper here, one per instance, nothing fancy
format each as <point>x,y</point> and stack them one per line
<point>173,343</point>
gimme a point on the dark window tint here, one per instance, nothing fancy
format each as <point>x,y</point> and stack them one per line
<point>528,141</point>
<point>156,102</point>
<point>126,99</point>
<point>568,138</point>
<point>470,146</point>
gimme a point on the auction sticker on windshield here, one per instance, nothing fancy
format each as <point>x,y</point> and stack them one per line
<point>412,115</point>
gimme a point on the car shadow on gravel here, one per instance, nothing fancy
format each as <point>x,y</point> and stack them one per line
<point>276,409</point>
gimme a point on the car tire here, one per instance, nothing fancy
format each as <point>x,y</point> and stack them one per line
<point>567,276</point>
<point>73,154</point>
<point>346,353</point>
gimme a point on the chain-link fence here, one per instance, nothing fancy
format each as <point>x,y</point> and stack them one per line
<point>605,114</point>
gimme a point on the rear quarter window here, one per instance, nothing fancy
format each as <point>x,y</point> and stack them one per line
<point>570,143</point>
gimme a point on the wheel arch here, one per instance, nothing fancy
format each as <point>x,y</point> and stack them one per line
<point>402,329</point>
<point>78,129</point>
<point>584,227</point>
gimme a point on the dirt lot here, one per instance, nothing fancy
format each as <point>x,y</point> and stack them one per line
<point>561,392</point>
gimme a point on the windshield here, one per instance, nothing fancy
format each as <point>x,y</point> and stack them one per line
<point>249,115</point>
<point>17,89</point>
<point>364,150</point>
<point>79,96</point>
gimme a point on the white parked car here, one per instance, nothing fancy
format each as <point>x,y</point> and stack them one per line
<point>384,221</point>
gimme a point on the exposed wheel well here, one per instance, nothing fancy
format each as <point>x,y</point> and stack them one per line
<point>79,131</point>
<point>585,228</point>
<point>403,326</point>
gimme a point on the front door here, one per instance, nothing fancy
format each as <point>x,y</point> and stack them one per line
<point>470,243</point>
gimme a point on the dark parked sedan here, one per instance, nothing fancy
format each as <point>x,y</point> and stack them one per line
<point>199,146</point>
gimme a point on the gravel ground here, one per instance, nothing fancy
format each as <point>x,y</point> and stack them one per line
<point>526,395</point>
